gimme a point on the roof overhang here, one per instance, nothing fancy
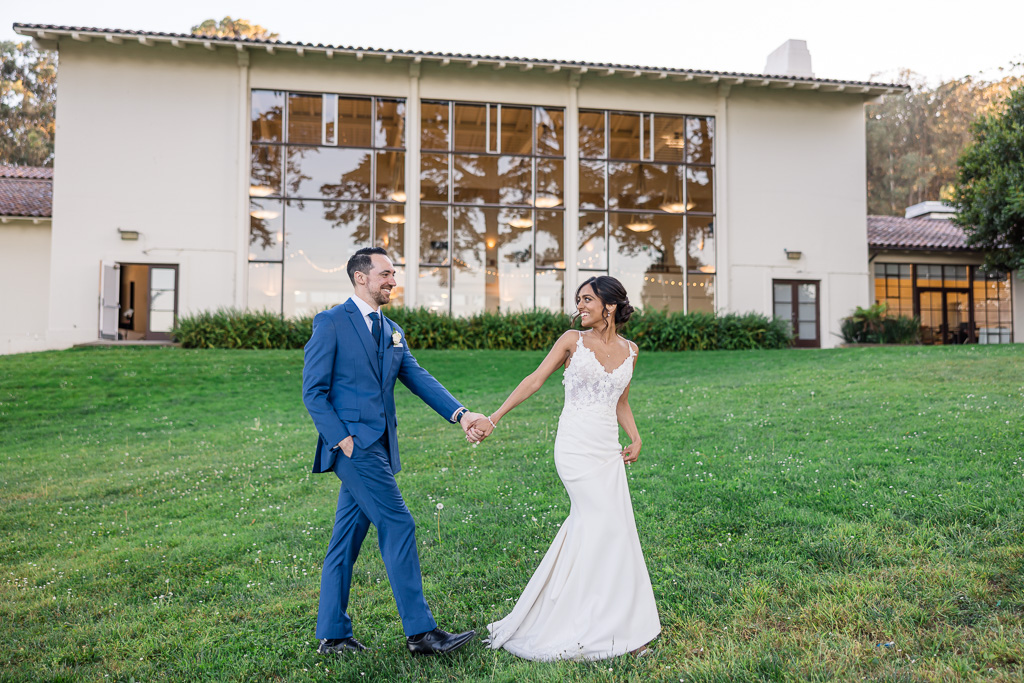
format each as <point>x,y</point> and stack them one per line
<point>49,36</point>
<point>36,220</point>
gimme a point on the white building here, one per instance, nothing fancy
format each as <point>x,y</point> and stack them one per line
<point>195,173</point>
<point>25,204</point>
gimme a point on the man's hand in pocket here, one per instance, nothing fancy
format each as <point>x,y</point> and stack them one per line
<point>346,445</point>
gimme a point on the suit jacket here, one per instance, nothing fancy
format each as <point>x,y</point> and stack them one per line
<point>348,385</point>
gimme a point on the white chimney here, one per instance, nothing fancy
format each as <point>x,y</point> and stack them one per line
<point>792,58</point>
<point>938,210</point>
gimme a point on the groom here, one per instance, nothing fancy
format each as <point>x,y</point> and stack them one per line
<point>351,363</point>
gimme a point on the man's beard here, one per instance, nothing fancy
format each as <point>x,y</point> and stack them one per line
<point>380,297</point>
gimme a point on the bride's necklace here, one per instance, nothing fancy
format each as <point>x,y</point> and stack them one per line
<point>607,354</point>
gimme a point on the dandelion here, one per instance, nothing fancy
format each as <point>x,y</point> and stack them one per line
<point>440,506</point>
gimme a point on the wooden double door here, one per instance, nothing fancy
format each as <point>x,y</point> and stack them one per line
<point>798,302</point>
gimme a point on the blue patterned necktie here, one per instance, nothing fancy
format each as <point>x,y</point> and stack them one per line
<point>375,330</point>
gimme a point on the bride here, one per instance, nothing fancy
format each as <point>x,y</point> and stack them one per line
<point>591,596</point>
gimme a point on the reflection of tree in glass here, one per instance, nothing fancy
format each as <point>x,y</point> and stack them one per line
<point>266,167</point>
<point>350,215</point>
<point>434,126</point>
<point>643,186</point>
<point>259,232</point>
<point>269,124</point>
<point>549,256</point>
<point>548,137</point>
<point>519,257</point>
<point>339,213</point>
<point>700,133</point>
<point>350,185</point>
<point>390,115</point>
<point>591,230</point>
<point>511,238</point>
<point>492,180</point>
<point>468,231</point>
<point>293,164</point>
<point>434,176</point>
<point>633,243</point>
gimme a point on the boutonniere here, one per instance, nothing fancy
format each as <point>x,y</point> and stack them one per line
<point>396,339</point>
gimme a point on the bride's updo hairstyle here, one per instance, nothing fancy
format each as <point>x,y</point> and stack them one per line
<point>611,293</point>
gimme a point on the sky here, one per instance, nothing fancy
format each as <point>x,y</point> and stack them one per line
<point>864,40</point>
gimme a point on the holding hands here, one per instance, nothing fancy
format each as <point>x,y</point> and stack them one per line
<point>480,429</point>
<point>472,425</point>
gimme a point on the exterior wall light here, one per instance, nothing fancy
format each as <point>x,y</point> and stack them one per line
<point>129,235</point>
<point>793,255</point>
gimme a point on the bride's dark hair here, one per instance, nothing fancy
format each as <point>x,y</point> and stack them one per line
<point>610,292</point>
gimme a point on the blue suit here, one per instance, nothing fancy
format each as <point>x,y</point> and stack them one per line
<point>348,387</point>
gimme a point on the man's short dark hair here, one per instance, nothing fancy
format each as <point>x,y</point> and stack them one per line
<point>362,262</point>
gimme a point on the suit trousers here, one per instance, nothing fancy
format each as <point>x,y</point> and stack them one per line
<point>369,495</point>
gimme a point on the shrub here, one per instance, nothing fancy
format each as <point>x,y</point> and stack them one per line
<point>871,326</point>
<point>528,330</point>
<point>233,329</point>
<point>901,330</point>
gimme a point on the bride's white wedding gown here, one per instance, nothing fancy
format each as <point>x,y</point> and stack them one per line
<point>591,596</point>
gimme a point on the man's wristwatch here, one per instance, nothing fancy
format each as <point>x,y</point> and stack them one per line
<point>459,414</point>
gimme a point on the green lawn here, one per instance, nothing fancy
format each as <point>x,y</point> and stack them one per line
<point>806,515</point>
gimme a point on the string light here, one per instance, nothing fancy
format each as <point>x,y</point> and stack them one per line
<point>317,268</point>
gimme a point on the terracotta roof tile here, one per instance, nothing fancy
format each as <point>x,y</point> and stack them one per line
<point>26,172</point>
<point>30,197</point>
<point>893,232</point>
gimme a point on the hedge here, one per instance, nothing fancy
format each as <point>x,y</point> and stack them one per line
<point>528,330</point>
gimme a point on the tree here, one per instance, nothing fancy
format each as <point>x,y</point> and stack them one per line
<point>989,191</point>
<point>28,96</point>
<point>914,139</point>
<point>233,28</point>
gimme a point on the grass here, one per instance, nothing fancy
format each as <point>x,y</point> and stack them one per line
<point>845,514</point>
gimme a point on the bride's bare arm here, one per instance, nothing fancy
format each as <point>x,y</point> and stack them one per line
<point>535,380</point>
<point>624,414</point>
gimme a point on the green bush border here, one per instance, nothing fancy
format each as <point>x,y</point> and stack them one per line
<point>527,330</point>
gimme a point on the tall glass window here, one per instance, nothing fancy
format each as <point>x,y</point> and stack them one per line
<point>957,304</point>
<point>647,206</point>
<point>893,286</point>
<point>993,312</point>
<point>327,177</point>
<point>492,203</point>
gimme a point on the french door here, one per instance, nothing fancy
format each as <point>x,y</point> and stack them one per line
<point>797,302</point>
<point>945,316</point>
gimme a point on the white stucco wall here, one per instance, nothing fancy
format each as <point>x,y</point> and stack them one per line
<point>155,139</point>
<point>796,180</point>
<point>24,284</point>
<point>147,140</point>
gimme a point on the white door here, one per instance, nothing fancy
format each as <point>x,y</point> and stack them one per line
<point>110,288</point>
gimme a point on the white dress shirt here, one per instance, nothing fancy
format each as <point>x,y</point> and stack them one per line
<point>366,310</point>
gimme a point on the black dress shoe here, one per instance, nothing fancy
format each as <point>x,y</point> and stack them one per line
<point>438,642</point>
<point>339,646</point>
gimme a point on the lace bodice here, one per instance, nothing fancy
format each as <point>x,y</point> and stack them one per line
<point>588,386</point>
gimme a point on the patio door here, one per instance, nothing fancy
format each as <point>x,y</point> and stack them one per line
<point>149,301</point>
<point>797,302</point>
<point>945,316</point>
